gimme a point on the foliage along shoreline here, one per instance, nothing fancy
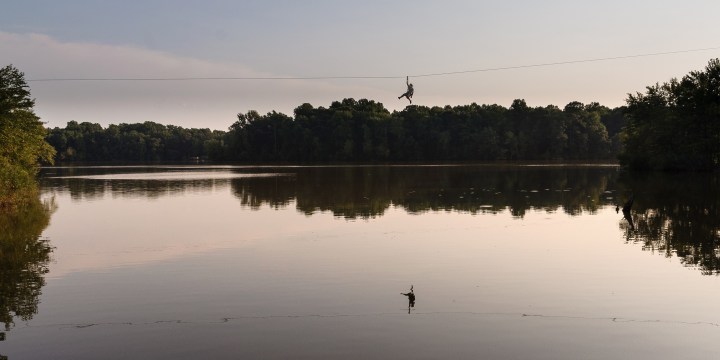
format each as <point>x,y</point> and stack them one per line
<point>22,141</point>
<point>361,131</point>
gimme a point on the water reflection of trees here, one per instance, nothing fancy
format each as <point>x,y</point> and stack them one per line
<point>82,184</point>
<point>24,259</point>
<point>677,215</point>
<point>365,192</point>
<point>89,189</point>
<point>673,214</point>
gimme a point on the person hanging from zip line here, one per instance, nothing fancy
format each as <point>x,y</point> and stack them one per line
<point>411,298</point>
<point>410,91</point>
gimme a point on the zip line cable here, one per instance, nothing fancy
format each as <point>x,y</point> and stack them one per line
<point>380,77</point>
<point>567,62</point>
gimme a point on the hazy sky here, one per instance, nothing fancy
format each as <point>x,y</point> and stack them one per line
<point>272,38</point>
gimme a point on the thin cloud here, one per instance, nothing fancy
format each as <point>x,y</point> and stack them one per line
<point>212,104</point>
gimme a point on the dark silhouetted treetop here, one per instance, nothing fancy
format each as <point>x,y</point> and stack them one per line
<point>14,92</point>
<point>676,125</point>
<point>364,131</point>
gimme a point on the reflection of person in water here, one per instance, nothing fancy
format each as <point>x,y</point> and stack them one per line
<point>411,298</point>
<point>628,217</point>
<point>626,211</point>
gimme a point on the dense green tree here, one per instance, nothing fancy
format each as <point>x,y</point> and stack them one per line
<point>364,131</point>
<point>22,139</point>
<point>614,121</point>
<point>142,142</point>
<point>587,136</point>
<point>675,125</point>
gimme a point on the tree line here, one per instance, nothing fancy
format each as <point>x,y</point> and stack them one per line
<point>362,131</point>
<point>142,142</point>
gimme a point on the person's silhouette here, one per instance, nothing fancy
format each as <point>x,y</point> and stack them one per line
<point>411,298</point>
<point>410,90</point>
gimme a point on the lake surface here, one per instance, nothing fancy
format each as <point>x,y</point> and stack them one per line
<point>230,262</point>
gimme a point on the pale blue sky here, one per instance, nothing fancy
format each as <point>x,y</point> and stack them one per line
<point>153,38</point>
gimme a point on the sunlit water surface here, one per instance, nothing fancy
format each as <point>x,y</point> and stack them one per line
<point>230,262</point>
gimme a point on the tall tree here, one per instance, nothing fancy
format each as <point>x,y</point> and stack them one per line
<point>675,125</point>
<point>22,138</point>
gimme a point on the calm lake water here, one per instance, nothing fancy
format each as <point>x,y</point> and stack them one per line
<point>229,262</point>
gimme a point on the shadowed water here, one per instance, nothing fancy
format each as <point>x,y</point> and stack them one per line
<point>318,262</point>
